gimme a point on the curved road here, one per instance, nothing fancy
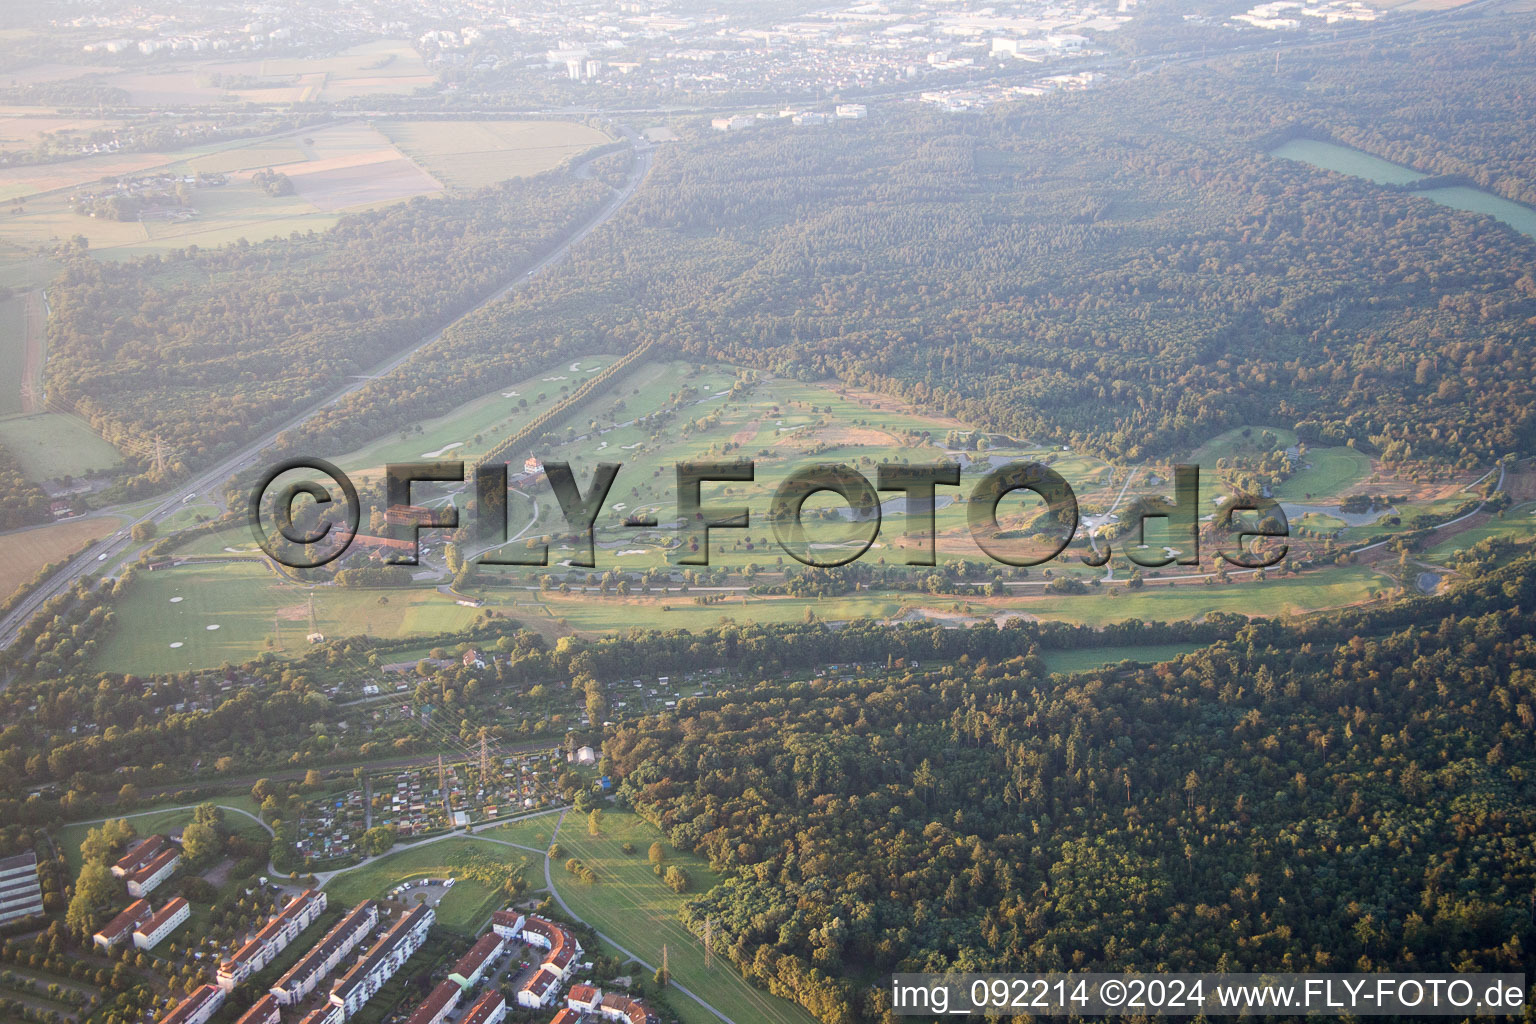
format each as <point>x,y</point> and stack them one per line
<point>213,477</point>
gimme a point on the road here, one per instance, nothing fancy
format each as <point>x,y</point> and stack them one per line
<point>215,476</point>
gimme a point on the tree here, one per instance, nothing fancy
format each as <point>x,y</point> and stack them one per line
<point>677,879</point>
<point>144,531</point>
<point>201,843</point>
<point>657,855</point>
<point>313,780</point>
<point>595,822</point>
<point>378,839</point>
<point>89,908</point>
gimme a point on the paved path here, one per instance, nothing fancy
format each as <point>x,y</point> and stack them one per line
<point>565,909</point>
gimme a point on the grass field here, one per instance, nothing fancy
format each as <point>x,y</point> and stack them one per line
<point>24,552</point>
<point>465,908</point>
<point>1330,471</point>
<point>247,603</point>
<point>145,823</point>
<point>13,352</point>
<point>49,445</point>
<point>1089,658</point>
<point>1518,524</point>
<point>631,904</point>
<point>472,154</point>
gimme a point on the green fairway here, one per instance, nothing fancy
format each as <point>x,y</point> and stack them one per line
<point>631,904</point>
<point>1326,472</point>
<point>1088,658</point>
<point>50,445</point>
<point>465,908</point>
<point>1517,524</point>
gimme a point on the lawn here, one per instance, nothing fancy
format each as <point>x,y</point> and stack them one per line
<point>1518,524</point>
<point>1326,472</point>
<point>13,352</point>
<point>631,904</point>
<point>472,154</point>
<point>465,908</point>
<point>534,832</point>
<point>50,445</point>
<point>251,607</point>
<point>1089,658</point>
<point>145,823</point>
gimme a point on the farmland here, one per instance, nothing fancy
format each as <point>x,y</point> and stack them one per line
<point>472,154</point>
<point>24,552</point>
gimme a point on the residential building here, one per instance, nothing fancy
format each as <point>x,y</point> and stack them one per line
<point>490,1009</point>
<point>617,1007</point>
<point>369,974</point>
<point>121,927</point>
<point>20,894</point>
<point>305,976</point>
<point>507,923</point>
<point>472,965</point>
<point>140,854</point>
<point>272,939</point>
<point>264,1012</point>
<point>439,1003</point>
<point>145,880</point>
<point>539,990</point>
<point>197,1007</point>
<point>583,998</point>
<point>327,1014</point>
<point>562,945</point>
<point>566,1016</point>
<point>160,924</point>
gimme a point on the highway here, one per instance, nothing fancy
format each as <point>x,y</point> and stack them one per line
<point>215,476</point>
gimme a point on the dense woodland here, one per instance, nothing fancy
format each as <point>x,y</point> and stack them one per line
<point>1123,269</point>
<point>140,348</point>
<point>25,503</point>
<point>1328,796</point>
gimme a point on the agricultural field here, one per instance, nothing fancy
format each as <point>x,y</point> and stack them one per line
<point>51,445</point>
<point>472,154</point>
<point>629,903</point>
<point>464,908</point>
<point>24,552</point>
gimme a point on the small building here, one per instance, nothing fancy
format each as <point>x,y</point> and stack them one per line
<point>139,854</point>
<point>584,998</point>
<point>507,923</point>
<point>540,990</point>
<point>472,965</point>
<point>121,927</point>
<point>852,111</point>
<point>164,921</point>
<point>148,878</point>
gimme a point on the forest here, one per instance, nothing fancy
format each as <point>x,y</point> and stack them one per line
<point>1124,269</point>
<point>1321,796</point>
<point>138,347</point>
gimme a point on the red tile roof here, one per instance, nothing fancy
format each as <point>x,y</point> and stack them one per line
<point>442,997</point>
<point>123,924</point>
<point>141,854</point>
<point>489,945</point>
<point>482,1010</point>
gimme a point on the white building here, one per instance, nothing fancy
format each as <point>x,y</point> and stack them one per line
<point>490,1009</point>
<point>369,974</point>
<point>273,938</point>
<point>305,976</point>
<point>852,111</point>
<point>147,878</point>
<point>166,920</point>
